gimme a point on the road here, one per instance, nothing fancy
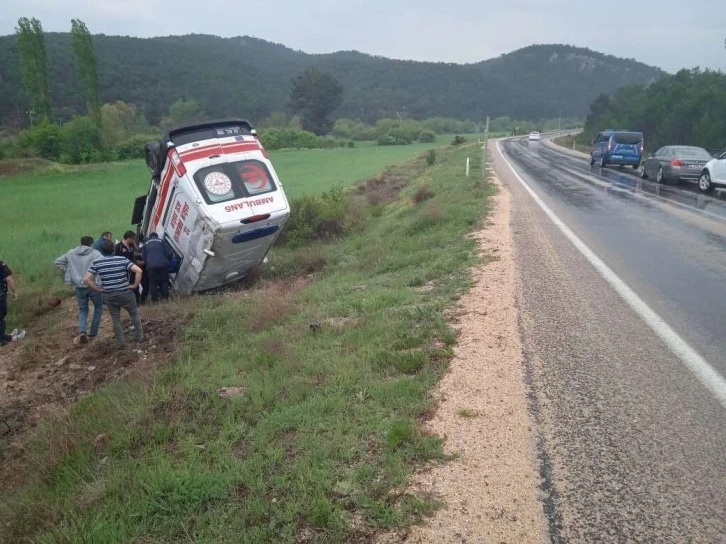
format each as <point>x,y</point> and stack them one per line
<point>631,443</point>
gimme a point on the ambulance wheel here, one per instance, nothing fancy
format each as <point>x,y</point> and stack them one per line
<point>152,152</point>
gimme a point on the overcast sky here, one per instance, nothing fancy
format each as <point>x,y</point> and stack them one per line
<point>667,33</point>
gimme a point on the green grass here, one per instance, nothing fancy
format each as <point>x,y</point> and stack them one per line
<point>328,430</point>
<point>567,141</point>
<point>47,212</point>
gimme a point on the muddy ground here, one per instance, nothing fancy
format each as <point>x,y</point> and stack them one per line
<point>47,371</point>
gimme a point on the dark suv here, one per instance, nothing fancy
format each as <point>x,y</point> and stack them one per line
<point>619,147</point>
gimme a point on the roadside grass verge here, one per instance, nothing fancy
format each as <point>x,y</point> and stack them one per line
<point>328,376</point>
<point>567,141</point>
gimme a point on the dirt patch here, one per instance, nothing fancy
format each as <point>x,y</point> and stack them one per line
<point>11,167</point>
<point>383,188</point>
<point>490,490</point>
<point>47,371</point>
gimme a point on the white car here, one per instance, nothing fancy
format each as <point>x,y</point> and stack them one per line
<point>713,174</point>
<point>534,136</point>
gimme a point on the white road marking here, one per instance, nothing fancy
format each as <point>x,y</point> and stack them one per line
<point>703,371</point>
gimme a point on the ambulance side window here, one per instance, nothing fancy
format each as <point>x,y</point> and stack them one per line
<point>255,177</point>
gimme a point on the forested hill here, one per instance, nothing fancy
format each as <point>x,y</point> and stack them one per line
<point>251,77</point>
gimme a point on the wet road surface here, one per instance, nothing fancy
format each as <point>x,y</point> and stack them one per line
<point>632,446</point>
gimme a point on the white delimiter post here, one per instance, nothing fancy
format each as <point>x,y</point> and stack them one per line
<point>484,151</point>
<point>467,167</point>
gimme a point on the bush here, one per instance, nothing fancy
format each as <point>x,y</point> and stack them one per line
<point>44,140</point>
<point>316,217</point>
<point>351,144</point>
<point>458,140</point>
<point>82,142</point>
<point>394,137</point>
<point>133,148</point>
<point>423,193</point>
<point>293,138</point>
<point>427,136</point>
<point>431,157</point>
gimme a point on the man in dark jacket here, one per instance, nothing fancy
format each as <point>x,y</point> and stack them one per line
<point>6,282</point>
<point>105,235</point>
<point>157,257</point>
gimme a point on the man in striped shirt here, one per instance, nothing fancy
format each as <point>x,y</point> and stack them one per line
<point>113,272</point>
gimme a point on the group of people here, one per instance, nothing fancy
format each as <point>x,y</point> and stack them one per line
<point>118,276</point>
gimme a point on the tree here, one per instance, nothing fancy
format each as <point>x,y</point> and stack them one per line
<point>34,66</point>
<point>120,121</point>
<point>314,96</point>
<point>182,112</point>
<point>86,68</point>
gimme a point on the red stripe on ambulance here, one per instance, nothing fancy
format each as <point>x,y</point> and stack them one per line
<point>164,190</point>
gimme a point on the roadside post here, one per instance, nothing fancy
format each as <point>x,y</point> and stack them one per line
<point>484,151</point>
<point>467,167</point>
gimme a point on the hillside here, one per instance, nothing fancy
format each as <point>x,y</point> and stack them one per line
<point>251,77</point>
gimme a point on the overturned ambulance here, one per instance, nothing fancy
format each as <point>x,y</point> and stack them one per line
<point>215,199</point>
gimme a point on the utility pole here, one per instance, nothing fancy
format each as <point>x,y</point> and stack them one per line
<point>30,113</point>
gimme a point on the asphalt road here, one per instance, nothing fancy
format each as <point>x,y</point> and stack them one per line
<point>632,445</point>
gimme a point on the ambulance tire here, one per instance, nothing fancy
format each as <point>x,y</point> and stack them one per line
<point>152,154</point>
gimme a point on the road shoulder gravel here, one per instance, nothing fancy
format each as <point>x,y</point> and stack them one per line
<point>491,489</point>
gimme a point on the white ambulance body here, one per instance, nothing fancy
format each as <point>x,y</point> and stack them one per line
<point>215,199</point>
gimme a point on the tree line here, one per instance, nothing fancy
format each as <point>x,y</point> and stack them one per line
<point>251,77</point>
<point>688,108</point>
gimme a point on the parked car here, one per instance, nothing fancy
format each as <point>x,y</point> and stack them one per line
<point>619,147</point>
<point>713,174</point>
<point>675,163</point>
<point>534,135</point>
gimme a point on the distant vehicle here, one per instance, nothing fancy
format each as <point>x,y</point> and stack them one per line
<point>215,200</point>
<point>534,135</point>
<point>675,163</point>
<point>713,174</point>
<point>617,147</point>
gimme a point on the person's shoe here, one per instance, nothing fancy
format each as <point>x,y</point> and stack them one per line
<point>83,338</point>
<point>18,335</point>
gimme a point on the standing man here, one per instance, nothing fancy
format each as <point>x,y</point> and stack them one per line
<point>113,272</point>
<point>127,248</point>
<point>157,257</point>
<point>74,265</point>
<point>106,235</point>
<point>144,269</point>
<point>6,282</point>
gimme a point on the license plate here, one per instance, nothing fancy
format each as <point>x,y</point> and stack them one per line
<point>691,166</point>
<point>617,156</point>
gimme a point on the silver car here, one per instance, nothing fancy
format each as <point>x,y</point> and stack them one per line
<point>675,163</point>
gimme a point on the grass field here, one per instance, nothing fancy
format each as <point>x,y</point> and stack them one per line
<point>46,213</point>
<point>321,443</point>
